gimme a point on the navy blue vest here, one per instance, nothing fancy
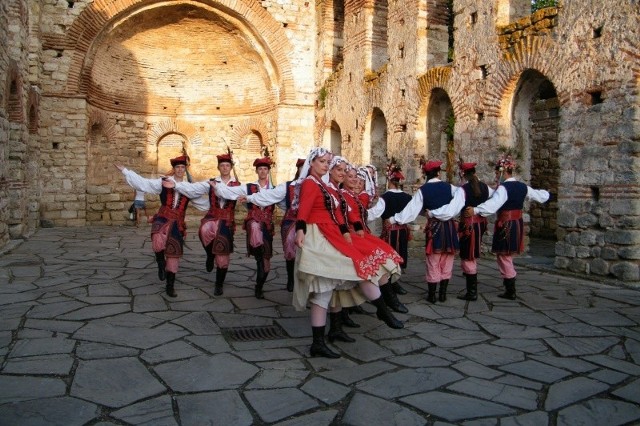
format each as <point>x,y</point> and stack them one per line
<point>472,200</point>
<point>517,192</point>
<point>394,202</point>
<point>435,194</point>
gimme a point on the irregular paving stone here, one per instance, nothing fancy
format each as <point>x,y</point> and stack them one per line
<point>53,310</point>
<point>325,390</point>
<point>598,412</point>
<point>601,317</point>
<point>198,323</point>
<point>404,345</point>
<point>109,382</point>
<point>526,345</point>
<point>516,331</point>
<point>488,354</point>
<point>275,406</point>
<point>496,392</point>
<point>267,354</point>
<point>170,352</point>
<point>454,338</point>
<point>630,392</point>
<point>45,346</point>
<point>455,407</point>
<point>89,350</point>
<point>224,371</point>
<point>474,369</point>
<point>18,388</point>
<point>213,408</point>
<point>364,350</point>
<point>211,344</point>
<point>365,410</point>
<point>148,303</point>
<point>571,364</point>
<point>573,346</point>
<point>62,411</point>
<point>615,364</point>
<point>93,312</point>
<point>569,391</point>
<point>536,418</point>
<point>49,364</point>
<point>405,382</point>
<point>142,338</point>
<point>272,379</point>
<point>419,360</point>
<point>578,329</point>
<point>608,376</point>
<point>354,374</point>
<point>512,380</point>
<point>536,371</point>
<point>152,412</point>
<point>319,418</point>
<point>57,326</point>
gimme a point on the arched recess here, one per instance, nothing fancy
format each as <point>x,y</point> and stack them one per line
<point>33,108</point>
<point>103,16</point>
<point>374,146</point>
<point>252,145</point>
<point>535,125</point>
<point>170,145</point>
<point>332,138</point>
<point>440,119</point>
<point>14,90</point>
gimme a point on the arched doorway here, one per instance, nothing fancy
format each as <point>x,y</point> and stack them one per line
<point>535,125</point>
<point>440,122</point>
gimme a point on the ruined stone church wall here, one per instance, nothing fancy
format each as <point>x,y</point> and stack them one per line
<point>586,51</point>
<point>72,193</point>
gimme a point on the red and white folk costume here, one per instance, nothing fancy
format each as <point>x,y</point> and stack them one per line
<point>258,223</point>
<point>168,228</point>
<point>328,264</point>
<point>217,227</point>
<point>282,196</point>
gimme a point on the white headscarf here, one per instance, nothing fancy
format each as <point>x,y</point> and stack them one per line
<point>371,182</point>
<point>304,172</point>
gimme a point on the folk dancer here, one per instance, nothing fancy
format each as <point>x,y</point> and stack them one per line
<point>258,223</point>
<point>328,263</point>
<point>398,235</point>
<point>508,202</point>
<point>168,228</point>
<point>441,230</point>
<point>217,227</point>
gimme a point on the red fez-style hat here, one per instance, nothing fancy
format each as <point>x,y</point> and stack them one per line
<point>300,162</point>
<point>224,158</point>
<point>467,166</point>
<point>264,161</point>
<point>396,176</point>
<point>183,159</point>
<point>430,166</point>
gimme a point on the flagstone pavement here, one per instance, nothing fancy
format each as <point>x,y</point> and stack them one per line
<point>87,337</point>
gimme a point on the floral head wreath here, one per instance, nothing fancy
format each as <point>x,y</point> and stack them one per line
<point>505,162</point>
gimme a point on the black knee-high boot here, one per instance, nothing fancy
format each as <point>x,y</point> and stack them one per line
<point>383,313</point>
<point>442,296</point>
<point>261,277</point>
<point>318,346</point>
<point>210,257</point>
<point>431,295</point>
<point>171,279</point>
<point>161,265</point>
<point>346,319</point>
<point>391,299</point>
<point>335,329</point>
<point>509,289</point>
<point>397,288</point>
<point>472,288</point>
<point>221,274</point>
<point>290,265</point>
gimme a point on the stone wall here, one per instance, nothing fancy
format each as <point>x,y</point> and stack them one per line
<point>580,144</point>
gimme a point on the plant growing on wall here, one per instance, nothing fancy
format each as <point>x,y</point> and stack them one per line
<point>541,4</point>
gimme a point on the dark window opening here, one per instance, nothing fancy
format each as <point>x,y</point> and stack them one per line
<point>474,18</point>
<point>596,98</point>
<point>595,193</point>
<point>483,70</point>
<point>597,32</point>
<point>480,116</point>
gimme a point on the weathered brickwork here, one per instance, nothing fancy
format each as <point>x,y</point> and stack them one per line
<point>90,83</point>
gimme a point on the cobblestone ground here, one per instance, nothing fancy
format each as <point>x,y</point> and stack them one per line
<point>88,337</point>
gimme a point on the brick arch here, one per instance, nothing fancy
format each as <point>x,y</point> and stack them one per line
<point>101,15</point>
<point>253,125</point>
<point>98,117</point>
<point>535,53</point>
<point>165,127</point>
<point>440,78</point>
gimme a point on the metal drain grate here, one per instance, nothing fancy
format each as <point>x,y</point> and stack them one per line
<point>246,334</point>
